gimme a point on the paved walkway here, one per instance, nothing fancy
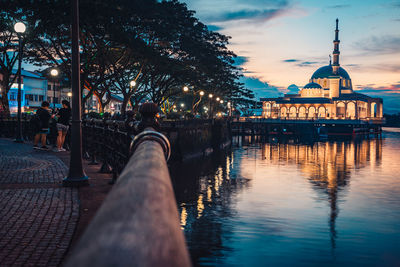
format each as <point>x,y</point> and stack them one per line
<point>37,216</point>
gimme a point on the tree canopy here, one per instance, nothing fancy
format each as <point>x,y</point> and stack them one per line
<point>160,45</point>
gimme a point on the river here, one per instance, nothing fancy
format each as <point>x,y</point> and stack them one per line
<point>267,204</point>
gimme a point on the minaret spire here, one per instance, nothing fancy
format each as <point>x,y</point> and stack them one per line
<point>336,52</point>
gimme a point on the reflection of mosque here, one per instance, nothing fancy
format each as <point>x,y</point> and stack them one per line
<point>205,194</point>
<point>206,191</point>
<point>327,166</point>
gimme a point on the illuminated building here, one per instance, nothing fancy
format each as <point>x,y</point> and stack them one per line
<point>328,95</point>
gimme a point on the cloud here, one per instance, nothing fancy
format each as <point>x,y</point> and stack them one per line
<point>292,89</point>
<point>217,11</point>
<point>307,63</point>
<point>259,15</point>
<point>393,68</point>
<point>396,4</point>
<point>352,65</point>
<point>302,63</point>
<point>214,28</point>
<point>389,94</point>
<point>388,44</point>
<point>260,88</point>
<point>338,6</point>
<point>239,61</point>
<point>290,60</point>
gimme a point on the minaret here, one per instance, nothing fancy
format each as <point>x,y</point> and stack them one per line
<point>336,52</point>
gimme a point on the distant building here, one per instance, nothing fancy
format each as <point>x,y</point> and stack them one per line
<point>58,88</point>
<point>114,106</point>
<point>328,95</point>
<point>33,89</point>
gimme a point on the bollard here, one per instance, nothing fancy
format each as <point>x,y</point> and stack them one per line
<point>138,223</point>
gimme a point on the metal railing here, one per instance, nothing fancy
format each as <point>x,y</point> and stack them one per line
<point>107,141</point>
<point>138,223</point>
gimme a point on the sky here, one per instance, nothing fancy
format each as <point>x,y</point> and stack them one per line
<point>280,43</point>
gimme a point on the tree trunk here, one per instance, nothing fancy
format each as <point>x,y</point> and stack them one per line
<point>101,107</point>
<point>124,105</point>
<point>5,107</point>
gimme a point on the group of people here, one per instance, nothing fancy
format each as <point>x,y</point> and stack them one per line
<point>41,122</point>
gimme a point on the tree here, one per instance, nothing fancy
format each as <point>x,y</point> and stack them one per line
<point>8,52</point>
<point>158,44</point>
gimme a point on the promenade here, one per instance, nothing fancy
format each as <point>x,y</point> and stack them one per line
<point>40,219</point>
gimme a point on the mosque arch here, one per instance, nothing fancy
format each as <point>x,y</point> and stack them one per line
<point>351,110</point>
<point>292,112</point>
<point>321,112</point>
<point>340,109</point>
<point>268,109</point>
<point>302,112</point>
<point>283,112</point>
<point>374,110</point>
<point>311,112</point>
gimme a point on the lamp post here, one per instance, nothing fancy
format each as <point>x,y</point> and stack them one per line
<point>210,96</point>
<point>194,104</point>
<point>76,175</point>
<point>19,28</point>
<point>54,73</point>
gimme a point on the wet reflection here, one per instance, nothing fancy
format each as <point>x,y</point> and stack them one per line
<point>205,194</point>
<point>220,194</point>
<point>327,166</point>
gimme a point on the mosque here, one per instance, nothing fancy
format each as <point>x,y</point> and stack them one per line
<point>328,95</point>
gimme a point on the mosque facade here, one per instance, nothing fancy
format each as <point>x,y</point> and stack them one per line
<point>328,95</point>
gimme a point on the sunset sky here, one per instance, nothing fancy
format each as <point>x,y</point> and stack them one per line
<point>281,43</point>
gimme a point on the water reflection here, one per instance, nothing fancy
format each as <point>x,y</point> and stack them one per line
<point>261,192</point>
<point>205,194</point>
<point>327,166</point>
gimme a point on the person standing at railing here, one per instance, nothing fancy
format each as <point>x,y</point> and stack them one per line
<point>63,115</point>
<point>42,125</point>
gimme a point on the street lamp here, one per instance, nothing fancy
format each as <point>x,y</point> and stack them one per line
<point>132,83</point>
<point>210,95</point>
<point>217,99</point>
<point>201,93</point>
<point>185,88</point>
<point>54,73</point>
<point>69,94</point>
<point>76,175</point>
<point>19,28</point>
<point>222,101</point>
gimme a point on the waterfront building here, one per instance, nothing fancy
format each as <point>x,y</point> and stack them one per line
<point>33,89</point>
<point>328,95</point>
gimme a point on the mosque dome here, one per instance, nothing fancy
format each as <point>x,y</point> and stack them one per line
<point>326,71</point>
<point>312,86</point>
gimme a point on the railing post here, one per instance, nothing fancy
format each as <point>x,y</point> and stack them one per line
<point>85,138</point>
<point>105,167</point>
<point>138,223</point>
<point>93,146</point>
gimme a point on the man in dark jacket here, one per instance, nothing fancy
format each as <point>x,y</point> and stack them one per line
<point>44,116</point>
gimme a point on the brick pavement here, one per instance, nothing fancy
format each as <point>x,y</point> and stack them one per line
<point>38,217</point>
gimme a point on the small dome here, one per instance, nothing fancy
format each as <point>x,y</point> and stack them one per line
<point>312,86</point>
<point>326,71</point>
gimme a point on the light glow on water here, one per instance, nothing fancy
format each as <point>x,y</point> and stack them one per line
<point>327,203</point>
